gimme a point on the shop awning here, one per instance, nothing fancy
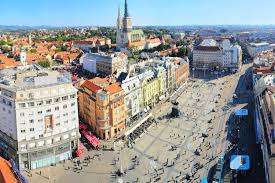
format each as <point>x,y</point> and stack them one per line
<point>91,138</point>
<point>82,126</point>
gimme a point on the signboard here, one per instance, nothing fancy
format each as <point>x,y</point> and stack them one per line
<point>240,162</point>
<point>241,112</point>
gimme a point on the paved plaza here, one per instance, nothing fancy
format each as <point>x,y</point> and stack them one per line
<point>168,151</point>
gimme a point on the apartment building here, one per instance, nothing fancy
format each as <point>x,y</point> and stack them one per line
<point>133,96</point>
<point>105,64</point>
<point>255,48</point>
<point>217,55</point>
<point>38,118</point>
<point>101,105</point>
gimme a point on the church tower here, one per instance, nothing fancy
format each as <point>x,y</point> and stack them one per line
<point>30,38</point>
<point>23,56</point>
<point>124,28</point>
<point>127,25</point>
<point>119,30</point>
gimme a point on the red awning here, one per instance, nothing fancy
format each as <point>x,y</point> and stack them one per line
<point>82,126</point>
<point>80,151</point>
<point>91,138</point>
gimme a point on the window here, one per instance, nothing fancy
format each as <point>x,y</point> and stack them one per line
<point>21,95</point>
<point>73,104</point>
<point>66,121</point>
<point>40,120</point>
<point>65,114</point>
<point>22,114</point>
<point>31,129</point>
<point>31,121</point>
<point>49,101</point>
<point>40,103</point>
<point>9,103</point>
<point>4,109</point>
<point>102,98</point>
<point>9,111</point>
<point>22,105</point>
<point>48,110</point>
<point>41,136</point>
<point>57,124</point>
<point>72,96</point>
<point>31,113</point>
<point>30,95</point>
<point>57,100</point>
<point>4,101</point>
<point>73,119</point>
<point>56,108</point>
<point>64,98</point>
<point>65,106</point>
<point>73,112</point>
<point>31,104</point>
<point>39,112</point>
<point>23,131</point>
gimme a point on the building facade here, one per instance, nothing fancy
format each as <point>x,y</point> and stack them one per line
<point>105,65</point>
<point>38,119</point>
<point>255,48</point>
<point>150,89</point>
<point>182,71</point>
<point>101,105</point>
<point>133,98</point>
<point>214,55</point>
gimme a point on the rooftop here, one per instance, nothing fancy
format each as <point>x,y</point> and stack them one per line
<point>259,44</point>
<point>6,173</point>
<point>21,79</point>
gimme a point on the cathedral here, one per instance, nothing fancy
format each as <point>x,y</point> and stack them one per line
<point>127,37</point>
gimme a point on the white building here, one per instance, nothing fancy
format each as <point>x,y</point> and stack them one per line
<point>89,62</point>
<point>232,57</point>
<point>38,119</point>
<point>133,96</point>
<point>255,48</point>
<point>210,54</point>
<point>105,64</point>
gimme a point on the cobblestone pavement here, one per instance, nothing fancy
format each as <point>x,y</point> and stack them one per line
<point>166,151</point>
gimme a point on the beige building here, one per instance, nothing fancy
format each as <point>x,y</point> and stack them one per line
<point>101,105</point>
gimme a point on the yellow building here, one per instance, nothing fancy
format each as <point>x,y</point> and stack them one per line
<point>152,89</point>
<point>101,105</point>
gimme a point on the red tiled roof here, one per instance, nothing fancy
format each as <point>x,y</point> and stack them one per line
<point>137,43</point>
<point>113,88</point>
<point>6,174</point>
<point>91,86</point>
<point>6,62</point>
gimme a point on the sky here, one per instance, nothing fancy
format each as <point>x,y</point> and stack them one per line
<point>143,12</point>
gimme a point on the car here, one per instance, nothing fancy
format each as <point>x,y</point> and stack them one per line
<point>235,96</point>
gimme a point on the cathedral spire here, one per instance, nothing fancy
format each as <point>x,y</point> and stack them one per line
<point>126,13</point>
<point>118,12</point>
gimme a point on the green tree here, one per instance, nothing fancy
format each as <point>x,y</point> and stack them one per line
<point>44,64</point>
<point>33,51</point>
